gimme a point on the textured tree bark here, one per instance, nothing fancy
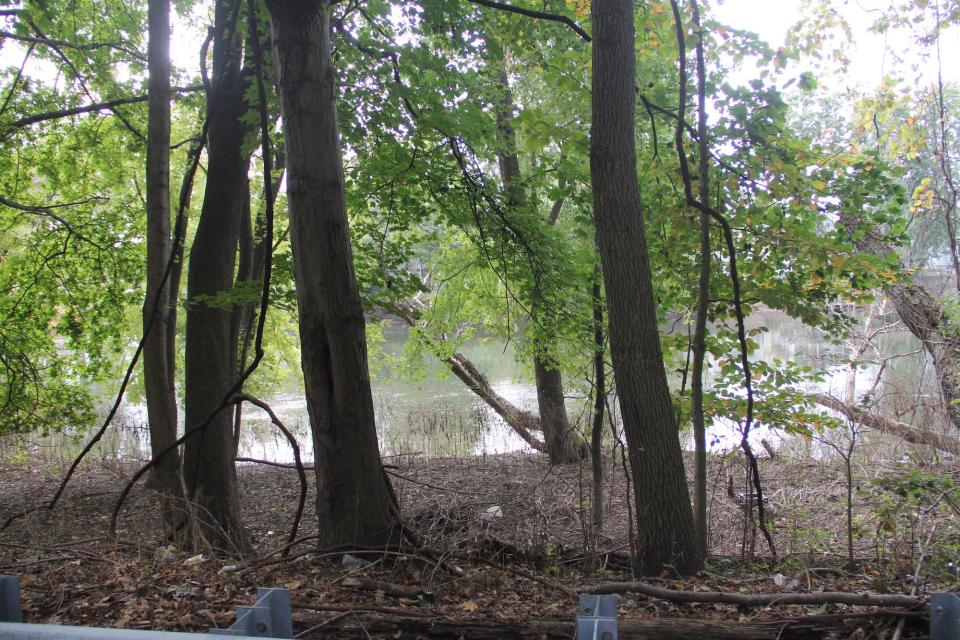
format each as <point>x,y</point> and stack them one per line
<point>664,518</point>
<point>211,347</point>
<point>559,436</point>
<point>355,504</point>
<point>158,348</point>
<point>925,319</point>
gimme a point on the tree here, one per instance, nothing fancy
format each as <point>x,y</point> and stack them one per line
<point>355,503</point>
<point>559,436</point>
<point>664,519</point>
<point>159,355</point>
<point>211,342</point>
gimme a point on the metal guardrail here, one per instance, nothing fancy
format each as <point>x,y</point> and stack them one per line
<point>945,616</point>
<point>269,617</point>
<point>597,619</point>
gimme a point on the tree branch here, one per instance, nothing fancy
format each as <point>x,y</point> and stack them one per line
<point>760,599</point>
<point>539,15</point>
<point>47,212</point>
<point>91,46</point>
<point>703,207</point>
<point>89,108</point>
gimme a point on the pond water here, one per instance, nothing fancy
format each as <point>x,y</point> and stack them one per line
<point>437,415</point>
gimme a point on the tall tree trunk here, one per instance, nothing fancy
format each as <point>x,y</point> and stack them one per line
<point>158,349</point>
<point>355,504</point>
<point>558,435</point>
<point>703,299</point>
<point>664,518</point>
<point>240,314</point>
<point>211,346</point>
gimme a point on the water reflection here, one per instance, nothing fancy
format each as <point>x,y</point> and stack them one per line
<point>438,416</point>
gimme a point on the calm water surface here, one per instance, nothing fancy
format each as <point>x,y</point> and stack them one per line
<point>438,416</point>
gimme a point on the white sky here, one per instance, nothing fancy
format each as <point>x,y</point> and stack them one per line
<point>872,55</point>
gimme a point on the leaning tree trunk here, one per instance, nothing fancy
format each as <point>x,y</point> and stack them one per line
<point>523,422</point>
<point>883,424</point>
<point>355,504</point>
<point>559,437</point>
<point>664,518</point>
<point>209,470</point>
<point>922,315</point>
<point>158,348</point>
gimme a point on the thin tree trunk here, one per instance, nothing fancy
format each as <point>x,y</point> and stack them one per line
<point>158,349</point>
<point>703,299</point>
<point>948,202</point>
<point>559,436</point>
<point>355,504</point>
<point>599,401</point>
<point>209,469</point>
<point>239,325</point>
<point>664,519</point>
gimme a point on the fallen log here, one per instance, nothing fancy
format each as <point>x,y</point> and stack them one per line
<point>387,588</point>
<point>889,426</point>
<point>640,629</point>
<point>759,599</point>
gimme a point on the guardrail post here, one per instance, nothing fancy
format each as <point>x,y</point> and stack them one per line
<point>10,599</point>
<point>598,617</point>
<point>270,617</point>
<point>945,616</point>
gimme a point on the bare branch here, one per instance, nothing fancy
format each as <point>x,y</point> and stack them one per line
<point>89,108</point>
<point>47,212</point>
<point>90,46</point>
<point>539,15</point>
<point>761,599</point>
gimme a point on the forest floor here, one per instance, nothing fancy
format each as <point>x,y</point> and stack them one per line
<point>513,572</point>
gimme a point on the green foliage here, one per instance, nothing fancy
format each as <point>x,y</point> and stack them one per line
<point>430,220</point>
<point>779,390</point>
<point>911,501</point>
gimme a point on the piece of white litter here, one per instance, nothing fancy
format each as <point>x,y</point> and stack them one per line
<point>354,562</point>
<point>194,560</point>
<point>492,512</point>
